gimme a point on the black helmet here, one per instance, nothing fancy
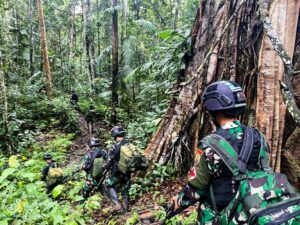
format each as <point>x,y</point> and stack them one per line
<point>224,96</point>
<point>118,131</point>
<point>94,142</point>
<point>47,156</point>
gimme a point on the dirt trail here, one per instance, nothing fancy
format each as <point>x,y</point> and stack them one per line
<point>147,205</point>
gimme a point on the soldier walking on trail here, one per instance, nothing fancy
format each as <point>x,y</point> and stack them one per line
<point>124,158</point>
<point>93,165</point>
<point>51,174</point>
<point>231,177</point>
<point>90,119</point>
<point>74,98</point>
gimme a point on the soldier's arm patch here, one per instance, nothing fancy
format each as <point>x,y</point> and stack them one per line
<point>199,176</point>
<point>198,154</point>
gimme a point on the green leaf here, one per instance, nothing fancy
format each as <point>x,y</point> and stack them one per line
<point>57,190</point>
<point>129,77</point>
<point>4,222</point>
<point>7,172</point>
<point>165,34</point>
<point>13,161</point>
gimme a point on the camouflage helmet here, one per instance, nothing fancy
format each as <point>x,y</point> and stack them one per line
<point>93,142</point>
<point>224,96</point>
<point>118,131</point>
<point>47,156</point>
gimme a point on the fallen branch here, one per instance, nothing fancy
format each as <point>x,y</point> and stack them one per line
<point>285,85</point>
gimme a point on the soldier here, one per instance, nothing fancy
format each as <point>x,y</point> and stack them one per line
<point>120,174</point>
<point>210,181</point>
<point>90,117</point>
<point>93,166</point>
<point>74,98</point>
<point>51,180</point>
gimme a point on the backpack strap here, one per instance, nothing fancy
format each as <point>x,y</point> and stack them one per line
<point>263,154</point>
<point>246,149</point>
<point>224,149</point>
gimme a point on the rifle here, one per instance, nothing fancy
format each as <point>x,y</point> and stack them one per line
<point>67,178</point>
<point>169,213</point>
<point>106,170</point>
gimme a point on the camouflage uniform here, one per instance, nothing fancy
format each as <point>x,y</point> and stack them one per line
<point>90,117</point>
<point>252,194</point>
<point>45,172</point>
<point>118,179</point>
<point>90,182</point>
<point>207,166</point>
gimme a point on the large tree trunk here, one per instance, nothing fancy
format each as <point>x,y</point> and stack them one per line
<point>229,43</point>
<point>45,50</point>
<point>271,109</point>
<point>115,62</point>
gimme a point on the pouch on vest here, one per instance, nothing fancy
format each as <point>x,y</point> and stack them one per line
<point>263,197</point>
<point>54,175</point>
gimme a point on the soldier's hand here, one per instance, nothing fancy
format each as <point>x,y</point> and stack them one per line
<point>175,201</point>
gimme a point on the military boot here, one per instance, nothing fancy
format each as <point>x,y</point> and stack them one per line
<point>125,203</point>
<point>113,196</point>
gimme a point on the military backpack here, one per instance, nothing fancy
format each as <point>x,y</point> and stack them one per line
<point>95,163</point>
<point>55,175</point>
<point>263,196</point>
<point>131,158</point>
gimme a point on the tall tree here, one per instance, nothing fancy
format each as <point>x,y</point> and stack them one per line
<point>89,43</point>
<point>218,53</point>
<point>5,111</point>
<point>31,45</point>
<point>115,62</point>
<point>45,50</point>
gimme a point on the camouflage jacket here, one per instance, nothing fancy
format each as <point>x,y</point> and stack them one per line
<point>90,115</point>
<point>88,158</point>
<point>206,167</point>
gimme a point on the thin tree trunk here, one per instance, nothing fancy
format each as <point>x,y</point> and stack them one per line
<point>115,62</point>
<point>177,4</point>
<point>31,52</point>
<point>5,112</point>
<point>98,39</point>
<point>89,41</point>
<point>45,50</point>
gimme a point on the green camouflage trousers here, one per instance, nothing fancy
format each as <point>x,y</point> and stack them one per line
<point>207,216</point>
<point>89,184</point>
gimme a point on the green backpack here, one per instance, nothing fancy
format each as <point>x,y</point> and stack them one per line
<point>263,197</point>
<point>55,175</point>
<point>131,158</point>
<point>98,165</point>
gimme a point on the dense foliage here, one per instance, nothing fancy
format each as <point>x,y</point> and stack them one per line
<point>151,57</point>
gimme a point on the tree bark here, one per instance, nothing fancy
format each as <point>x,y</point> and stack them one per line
<point>115,62</point>
<point>274,62</point>
<point>229,42</point>
<point>87,23</point>
<point>45,50</point>
<point>31,48</point>
<point>5,113</point>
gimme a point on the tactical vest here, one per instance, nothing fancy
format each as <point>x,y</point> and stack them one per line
<point>224,186</point>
